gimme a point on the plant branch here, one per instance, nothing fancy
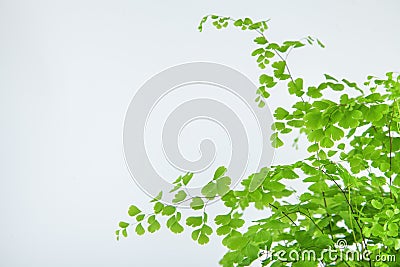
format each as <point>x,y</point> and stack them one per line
<point>284,213</point>
<point>351,208</point>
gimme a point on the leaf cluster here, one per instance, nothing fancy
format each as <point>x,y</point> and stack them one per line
<point>352,170</point>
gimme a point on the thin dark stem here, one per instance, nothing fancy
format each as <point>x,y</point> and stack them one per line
<point>311,219</point>
<point>327,214</point>
<point>280,56</point>
<point>391,149</point>
<point>351,208</point>
<point>284,213</point>
<point>288,70</point>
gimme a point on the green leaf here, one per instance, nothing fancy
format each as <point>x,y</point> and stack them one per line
<point>247,21</point>
<point>223,185</point>
<point>133,210</point>
<point>336,86</point>
<point>258,51</point>
<point>275,186</point>
<point>186,179</point>
<point>236,223</point>
<point>197,203</point>
<point>178,216</point>
<point>313,148</point>
<point>205,229</point>
<point>377,112</point>
<point>154,226</point>
<point>316,135</point>
<point>334,132</point>
<point>203,20</point>
<point>376,204</point>
<point>224,230</point>
<point>276,142</point>
<point>238,22</point>
<point>266,79</point>
<point>348,122</point>
<point>158,207</point>
<point>314,92</point>
<point>313,120</point>
<point>180,196</point>
<point>151,219</point>
<point>194,221</point>
<point>176,187</point>
<point>280,113</point>
<point>320,43</point>
<point>222,219</point>
<point>140,217</point>
<point>125,232</point>
<point>269,54</point>
<point>356,114</point>
<point>123,224</point>
<point>329,77</point>
<point>209,190</point>
<point>260,40</point>
<point>203,239</point>
<point>195,234</point>
<point>278,126</point>
<point>168,210</point>
<point>279,70</point>
<point>171,221</point>
<point>176,228</point>
<point>262,93</point>
<point>139,229</point>
<point>321,105</point>
<point>219,172</point>
<point>256,181</point>
<point>178,180</point>
<point>296,87</point>
<point>394,228</point>
<point>327,142</point>
<point>236,242</point>
<point>157,198</point>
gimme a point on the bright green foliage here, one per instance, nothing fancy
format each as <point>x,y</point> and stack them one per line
<point>197,203</point>
<point>219,186</point>
<point>123,224</point>
<point>352,170</point>
<point>133,210</point>
<point>139,229</point>
<point>181,195</point>
<point>219,172</point>
<point>154,225</point>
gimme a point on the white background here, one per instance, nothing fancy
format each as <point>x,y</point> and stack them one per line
<point>68,70</point>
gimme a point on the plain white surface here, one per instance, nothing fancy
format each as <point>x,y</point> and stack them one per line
<point>68,70</point>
